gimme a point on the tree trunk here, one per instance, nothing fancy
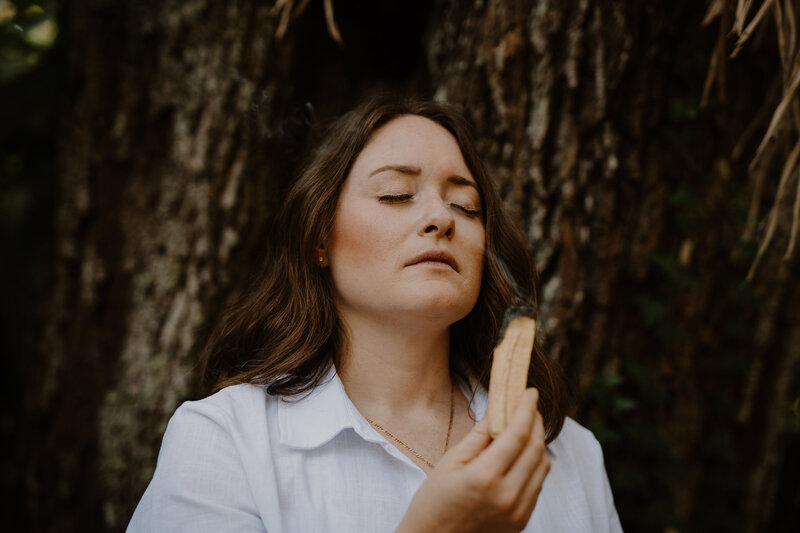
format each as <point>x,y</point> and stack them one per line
<point>185,120</point>
<point>172,157</point>
<point>632,204</point>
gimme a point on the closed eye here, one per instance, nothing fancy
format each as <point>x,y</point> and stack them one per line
<point>394,198</point>
<point>470,212</point>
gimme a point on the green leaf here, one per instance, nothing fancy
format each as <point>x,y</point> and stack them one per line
<point>653,311</point>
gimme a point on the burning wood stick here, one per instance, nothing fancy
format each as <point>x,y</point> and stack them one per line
<point>512,357</point>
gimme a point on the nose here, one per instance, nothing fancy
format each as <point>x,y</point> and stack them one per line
<point>437,220</point>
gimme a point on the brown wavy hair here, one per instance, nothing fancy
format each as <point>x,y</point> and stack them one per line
<point>285,333</point>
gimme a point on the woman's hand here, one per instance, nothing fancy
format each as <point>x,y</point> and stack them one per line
<point>485,485</point>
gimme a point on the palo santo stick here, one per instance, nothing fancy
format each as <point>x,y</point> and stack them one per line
<point>512,357</point>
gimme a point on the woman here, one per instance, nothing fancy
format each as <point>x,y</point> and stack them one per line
<point>349,381</point>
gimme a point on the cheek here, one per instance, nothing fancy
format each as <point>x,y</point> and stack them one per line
<point>476,248</point>
<point>356,241</point>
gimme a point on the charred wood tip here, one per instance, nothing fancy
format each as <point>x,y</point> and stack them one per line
<point>516,311</point>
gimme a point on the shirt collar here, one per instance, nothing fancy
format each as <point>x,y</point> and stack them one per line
<point>313,420</point>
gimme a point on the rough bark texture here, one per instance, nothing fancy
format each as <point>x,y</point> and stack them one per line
<point>182,125</point>
<point>166,179</point>
<point>634,227</point>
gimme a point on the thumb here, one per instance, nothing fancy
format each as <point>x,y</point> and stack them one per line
<point>472,444</point>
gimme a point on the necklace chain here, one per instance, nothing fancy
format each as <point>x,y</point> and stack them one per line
<point>412,450</point>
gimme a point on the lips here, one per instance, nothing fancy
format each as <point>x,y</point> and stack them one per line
<point>439,256</point>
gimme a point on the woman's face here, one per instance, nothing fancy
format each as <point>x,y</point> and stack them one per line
<point>408,237</point>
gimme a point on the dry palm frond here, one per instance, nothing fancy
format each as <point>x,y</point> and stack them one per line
<point>716,9</point>
<point>302,7</point>
<point>791,20</point>
<point>716,71</point>
<point>788,169</point>
<point>760,120</point>
<point>742,8</point>
<point>795,225</point>
<point>329,20</point>
<point>783,102</point>
<point>285,7</point>
<point>760,176</point>
<point>782,44</point>
<point>745,34</point>
<point>777,116</point>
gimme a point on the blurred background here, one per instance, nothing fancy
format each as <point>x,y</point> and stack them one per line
<point>648,150</point>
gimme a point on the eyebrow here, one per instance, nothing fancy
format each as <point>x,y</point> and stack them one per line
<point>416,171</point>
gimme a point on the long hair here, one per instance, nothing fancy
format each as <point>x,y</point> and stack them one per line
<point>285,333</point>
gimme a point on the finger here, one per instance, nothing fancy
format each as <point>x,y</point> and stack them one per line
<point>522,469</point>
<point>505,449</point>
<point>530,494</point>
<point>471,445</point>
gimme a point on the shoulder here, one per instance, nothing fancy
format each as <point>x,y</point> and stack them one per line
<point>227,406</point>
<point>202,480</point>
<point>576,457</point>
<point>574,436</point>
<point>232,418</point>
<point>215,424</point>
<point>578,471</point>
<point>577,445</point>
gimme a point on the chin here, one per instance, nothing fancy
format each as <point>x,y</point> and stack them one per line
<point>449,308</point>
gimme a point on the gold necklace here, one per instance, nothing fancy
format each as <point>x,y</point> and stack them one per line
<point>412,450</point>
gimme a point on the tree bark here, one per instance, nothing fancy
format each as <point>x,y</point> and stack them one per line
<point>169,168</point>
<point>183,125</point>
<point>635,232</point>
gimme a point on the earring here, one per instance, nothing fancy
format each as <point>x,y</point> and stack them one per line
<point>321,259</point>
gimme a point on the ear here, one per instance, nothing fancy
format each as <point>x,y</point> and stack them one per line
<point>322,256</point>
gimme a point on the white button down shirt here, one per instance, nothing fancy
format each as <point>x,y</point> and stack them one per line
<point>242,460</point>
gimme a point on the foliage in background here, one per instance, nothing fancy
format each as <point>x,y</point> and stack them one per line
<point>776,128</point>
<point>629,439</point>
<point>624,403</point>
<point>29,94</point>
<point>27,31</point>
<point>786,508</point>
<point>780,145</point>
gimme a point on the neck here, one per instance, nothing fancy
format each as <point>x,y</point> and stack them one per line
<point>390,373</point>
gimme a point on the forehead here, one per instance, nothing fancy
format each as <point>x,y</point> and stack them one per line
<point>411,140</point>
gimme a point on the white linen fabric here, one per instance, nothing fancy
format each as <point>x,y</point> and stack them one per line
<point>242,460</point>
